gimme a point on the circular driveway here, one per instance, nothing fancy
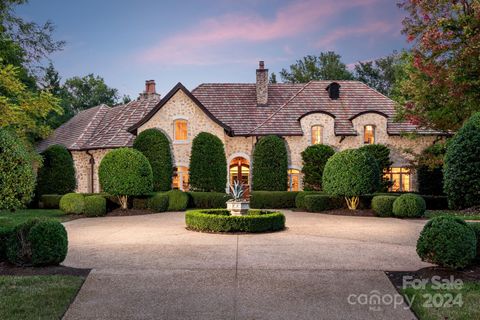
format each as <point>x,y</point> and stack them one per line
<point>151,267</point>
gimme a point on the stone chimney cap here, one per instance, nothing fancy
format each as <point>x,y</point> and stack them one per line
<point>261,64</point>
<point>150,87</point>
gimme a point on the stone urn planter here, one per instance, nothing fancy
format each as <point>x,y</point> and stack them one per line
<point>238,207</point>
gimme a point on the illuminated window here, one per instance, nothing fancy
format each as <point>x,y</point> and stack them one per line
<point>399,178</point>
<point>369,134</point>
<point>181,130</point>
<point>317,134</point>
<point>180,178</point>
<point>293,180</point>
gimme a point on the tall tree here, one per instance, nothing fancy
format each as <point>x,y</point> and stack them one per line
<point>442,87</point>
<point>327,66</point>
<point>273,78</point>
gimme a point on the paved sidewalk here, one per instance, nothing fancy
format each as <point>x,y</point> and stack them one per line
<point>151,267</point>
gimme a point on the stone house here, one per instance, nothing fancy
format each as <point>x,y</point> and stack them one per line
<point>342,114</point>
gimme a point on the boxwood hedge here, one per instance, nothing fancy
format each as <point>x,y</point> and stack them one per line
<point>383,205</point>
<point>158,203</point>
<point>73,203</point>
<point>50,201</point>
<point>272,199</point>
<point>208,200</point>
<point>409,205</point>
<point>95,206</point>
<point>322,202</point>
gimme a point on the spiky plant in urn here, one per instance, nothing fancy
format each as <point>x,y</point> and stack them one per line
<point>238,205</point>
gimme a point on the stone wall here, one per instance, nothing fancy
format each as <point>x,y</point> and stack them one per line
<point>81,160</point>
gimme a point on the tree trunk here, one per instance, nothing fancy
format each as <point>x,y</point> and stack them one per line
<point>123,202</point>
<point>352,202</point>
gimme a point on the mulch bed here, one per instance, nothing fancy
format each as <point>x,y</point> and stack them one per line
<point>130,212</point>
<point>7,269</point>
<point>347,212</point>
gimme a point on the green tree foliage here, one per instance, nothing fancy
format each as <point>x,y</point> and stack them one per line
<point>270,165</point>
<point>57,174</point>
<point>125,172</point>
<point>314,160</point>
<point>17,178</point>
<point>326,66</point>
<point>208,165</point>
<point>430,169</point>
<point>351,173</point>
<point>462,166</point>
<point>273,78</point>
<point>381,154</point>
<point>442,87</point>
<point>155,146</point>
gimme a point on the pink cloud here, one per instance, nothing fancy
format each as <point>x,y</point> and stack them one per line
<point>199,45</point>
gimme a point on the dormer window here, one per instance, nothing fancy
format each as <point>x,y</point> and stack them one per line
<point>369,134</point>
<point>317,134</point>
<point>180,128</point>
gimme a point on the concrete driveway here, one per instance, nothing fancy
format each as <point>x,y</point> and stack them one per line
<point>321,267</point>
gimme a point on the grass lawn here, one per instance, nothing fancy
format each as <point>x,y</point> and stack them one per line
<point>437,308</point>
<point>462,215</point>
<point>37,297</point>
<point>20,216</point>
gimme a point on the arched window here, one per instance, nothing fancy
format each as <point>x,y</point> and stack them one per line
<point>180,128</point>
<point>317,134</point>
<point>293,180</point>
<point>180,179</point>
<point>369,134</point>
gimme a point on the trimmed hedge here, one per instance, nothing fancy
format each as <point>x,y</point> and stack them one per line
<point>272,199</point>
<point>409,206</point>
<point>447,241</point>
<point>270,165</point>
<point>72,203</point>
<point>156,147</point>
<point>177,200</point>
<point>436,202</point>
<point>95,206</point>
<point>300,198</point>
<point>315,158</point>
<point>208,200</point>
<point>50,201</point>
<point>208,164</point>
<point>476,228</point>
<point>220,220</point>
<point>6,228</point>
<point>383,205</point>
<point>322,202</point>
<point>57,174</point>
<point>158,203</point>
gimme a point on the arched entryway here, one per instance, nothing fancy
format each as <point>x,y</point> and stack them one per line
<point>239,170</point>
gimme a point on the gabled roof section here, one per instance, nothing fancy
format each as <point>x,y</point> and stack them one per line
<point>170,94</point>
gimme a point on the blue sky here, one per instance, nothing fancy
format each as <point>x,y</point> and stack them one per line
<point>128,42</point>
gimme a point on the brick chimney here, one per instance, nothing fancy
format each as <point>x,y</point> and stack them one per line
<point>150,87</point>
<point>262,84</point>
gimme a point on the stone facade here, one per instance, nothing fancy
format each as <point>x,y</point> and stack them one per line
<point>83,167</point>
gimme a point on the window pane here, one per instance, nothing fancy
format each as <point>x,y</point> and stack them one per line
<point>180,179</point>
<point>317,132</point>
<point>369,135</point>
<point>180,130</point>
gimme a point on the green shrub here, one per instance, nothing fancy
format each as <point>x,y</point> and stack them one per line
<point>322,202</point>
<point>272,199</point>
<point>448,242</point>
<point>18,247</point>
<point>17,178</point>
<point>95,206</point>
<point>350,174</point>
<point>270,165</point>
<point>57,174</point>
<point>177,200</point>
<point>72,203</point>
<point>219,220</point>
<point>48,242</point>
<point>476,228</point>
<point>158,203</point>
<point>409,206</point>
<point>156,147</point>
<point>208,165</point>
<point>7,227</point>
<point>208,200</point>
<point>315,158</point>
<point>125,172</point>
<point>430,169</point>
<point>50,201</point>
<point>381,154</point>
<point>462,167</point>
<point>300,198</point>
<point>436,202</point>
<point>383,205</point>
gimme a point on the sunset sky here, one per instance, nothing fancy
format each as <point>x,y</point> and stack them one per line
<point>128,42</point>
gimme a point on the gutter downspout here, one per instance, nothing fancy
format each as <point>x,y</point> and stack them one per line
<point>92,171</point>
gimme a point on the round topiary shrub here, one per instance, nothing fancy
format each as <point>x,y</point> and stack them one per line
<point>125,172</point>
<point>17,178</point>
<point>409,206</point>
<point>220,220</point>
<point>57,173</point>
<point>383,205</point>
<point>350,174</point>
<point>381,154</point>
<point>158,203</point>
<point>18,248</point>
<point>462,167</point>
<point>314,160</point>
<point>95,206</point>
<point>48,242</point>
<point>177,200</point>
<point>270,165</point>
<point>447,241</point>
<point>156,147</point>
<point>208,165</point>
<point>73,203</point>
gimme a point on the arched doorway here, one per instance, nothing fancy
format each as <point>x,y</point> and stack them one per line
<point>239,170</point>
